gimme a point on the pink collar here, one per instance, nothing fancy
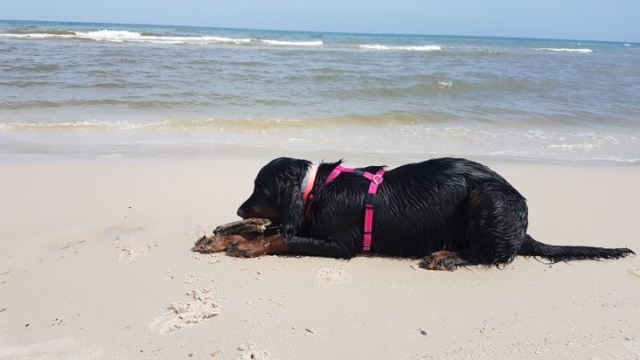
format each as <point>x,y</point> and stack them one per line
<point>307,183</point>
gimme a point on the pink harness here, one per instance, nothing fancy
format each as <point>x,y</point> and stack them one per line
<point>375,181</point>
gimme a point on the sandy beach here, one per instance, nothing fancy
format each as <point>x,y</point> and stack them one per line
<point>96,264</point>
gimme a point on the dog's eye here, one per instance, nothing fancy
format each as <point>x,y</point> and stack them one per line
<point>262,192</point>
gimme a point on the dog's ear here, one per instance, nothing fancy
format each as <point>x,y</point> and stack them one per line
<point>291,207</point>
<point>291,211</point>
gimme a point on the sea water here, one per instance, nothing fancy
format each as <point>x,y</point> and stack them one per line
<point>83,89</point>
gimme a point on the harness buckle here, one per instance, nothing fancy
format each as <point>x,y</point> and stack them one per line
<point>377,179</point>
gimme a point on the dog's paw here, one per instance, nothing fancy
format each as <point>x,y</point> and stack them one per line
<point>248,249</point>
<point>442,260</point>
<point>213,244</point>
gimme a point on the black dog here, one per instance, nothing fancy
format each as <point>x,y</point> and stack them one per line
<point>455,212</point>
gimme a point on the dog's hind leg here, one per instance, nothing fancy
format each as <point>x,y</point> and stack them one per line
<point>443,260</point>
<point>496,220</point>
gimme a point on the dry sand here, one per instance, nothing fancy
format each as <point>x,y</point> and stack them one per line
<point>95,263</point>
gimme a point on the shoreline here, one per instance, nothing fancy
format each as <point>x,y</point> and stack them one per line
<point>96,262</point>
<point>357,158</point>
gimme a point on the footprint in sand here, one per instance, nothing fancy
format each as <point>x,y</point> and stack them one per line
<point>330,276</point>
<point>184,314</point>
<point>131,251</point>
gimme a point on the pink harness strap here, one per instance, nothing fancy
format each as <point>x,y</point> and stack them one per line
<point>375,179</point>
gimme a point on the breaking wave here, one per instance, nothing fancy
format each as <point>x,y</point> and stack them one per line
<point>405,48</point>
<point>584,51</point>
<point>120,36</point>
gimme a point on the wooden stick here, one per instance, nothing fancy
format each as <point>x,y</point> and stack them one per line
<point>247,226</point>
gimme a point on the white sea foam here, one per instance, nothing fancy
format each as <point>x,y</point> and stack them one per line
<point>445,84</point>
<point>132,36</point>
<point>216,39</point>
<point>203,40</point>
<point>110,35</point>
<point>36,36</point>
<point>585,51</point>
<point>574,146</point>
<point>406,48</point>
<point>292,43</point>
<point>100,35</point>
<point>61,125</point>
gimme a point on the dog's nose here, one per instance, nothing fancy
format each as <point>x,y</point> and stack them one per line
<point>240,213</point>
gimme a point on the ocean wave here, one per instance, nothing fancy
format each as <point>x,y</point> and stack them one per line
<point>132,36</point>
<point>32,125</point>
<point>433,87</point>
<point>201,40</point>
<point>120,36</point>
<point>109,35</point>
<point>584,51</point>
<point>42,31</point>
<point>405,48</point>
<point>36,35</point>
<point>292,43</point>
<point>238,124</point>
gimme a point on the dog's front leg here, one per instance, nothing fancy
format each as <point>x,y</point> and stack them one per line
<point>268,245</point>
<point>306,246</point>
<point>295,245</point>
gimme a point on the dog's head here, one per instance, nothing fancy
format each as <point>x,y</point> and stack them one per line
<point>277,194</point>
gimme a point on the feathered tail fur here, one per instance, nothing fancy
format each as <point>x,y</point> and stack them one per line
<point>556,253</point>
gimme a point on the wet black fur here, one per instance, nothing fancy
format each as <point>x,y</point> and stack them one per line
<point>448,204</point>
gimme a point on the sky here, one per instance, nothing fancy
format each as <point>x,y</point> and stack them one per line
<point>612,20</point>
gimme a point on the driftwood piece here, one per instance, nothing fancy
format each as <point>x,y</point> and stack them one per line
<point>242,227</point>
<point>223,239</point>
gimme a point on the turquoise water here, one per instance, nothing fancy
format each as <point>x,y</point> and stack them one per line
<point>76,89</point>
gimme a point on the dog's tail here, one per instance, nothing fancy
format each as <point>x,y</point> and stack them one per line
<point>556,253</point>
